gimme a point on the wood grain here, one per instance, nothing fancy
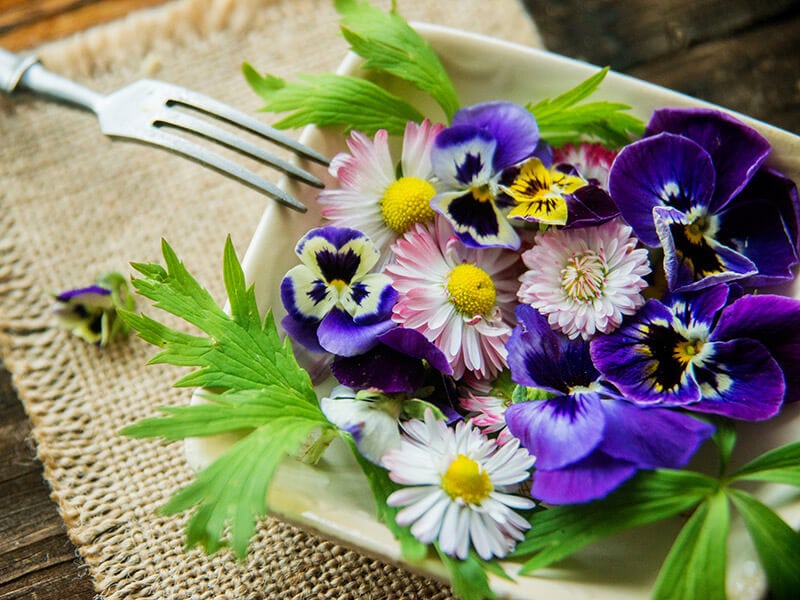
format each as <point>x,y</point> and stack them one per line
<point>741,54</point>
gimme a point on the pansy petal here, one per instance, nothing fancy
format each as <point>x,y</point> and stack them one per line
<point>375,431</point>
<point>651,438</point>
<point>340,335</point>
<point>381,368</point>
<point>511,125</point>
<point>773,321</point>
<point>762,224</point>
<point>560,431</point>
<point>476,221</point>
<point>592,478</point>
<point>304,295</point>
<point>639,358</point>
<point>302,331</point>
<point>699,309</point>
<point>740,380</point>
<point>370,299</point>
<point>462,156</point>
<point>694,261</point>
<point>664,170</point>
<point>590,205</point>
<point>412,343</point>
<point>736,150</point>
<point>533,352</point>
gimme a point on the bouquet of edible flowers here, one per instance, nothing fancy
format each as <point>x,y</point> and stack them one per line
<point>534,317</point>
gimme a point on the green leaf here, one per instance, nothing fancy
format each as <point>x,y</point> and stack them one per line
<point>232,491</point>
<point>333,100</point>
<point>239,351</point>
<point>695,565</point>
<point>562,119</point>
<point>777,544</point>
<point>781,465</point>
<point>651,496</point>
<point>389,45</point>
<point>467,577</point>
<point>263,394</point>
<point>382,487</point>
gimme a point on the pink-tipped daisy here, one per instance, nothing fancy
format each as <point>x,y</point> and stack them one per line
<point>459,488</point>
<point>585,280</point>
<point>488,413</point>
<point>373,198</point>
<point>462,299</point>
<point>592,161</point>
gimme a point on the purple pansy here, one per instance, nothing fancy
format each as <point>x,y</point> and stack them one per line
<point>334,303</point>
<point>399,363</point>
<point>469,158</point>
<point>695,185</point>
<point>587,438</point>
<point>709,351</point>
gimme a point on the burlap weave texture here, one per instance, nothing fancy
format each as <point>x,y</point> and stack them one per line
<point>74,204</point>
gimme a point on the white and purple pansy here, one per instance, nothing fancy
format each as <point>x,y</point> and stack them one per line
<point>334,303</point>
<point>587,438</point>
<point>696,185</point>
<point>469,158</point>
<point>712,351</point>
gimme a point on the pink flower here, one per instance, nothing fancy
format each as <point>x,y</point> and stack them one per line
<point>461,299</point>
<point>373,198</point>
<point>592,161</point>
<point>585,280</point>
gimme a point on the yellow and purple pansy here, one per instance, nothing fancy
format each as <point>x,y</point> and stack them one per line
<point>469,158</point>
<point>696,185</point>
<point>334,303</point>
<point>714,351</point>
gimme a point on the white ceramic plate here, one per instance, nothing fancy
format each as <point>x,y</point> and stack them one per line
<point>333,498</point>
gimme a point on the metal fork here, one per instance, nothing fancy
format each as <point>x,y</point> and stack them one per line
<point>145,111</point>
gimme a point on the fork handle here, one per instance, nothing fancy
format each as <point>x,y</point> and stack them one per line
<point>26,72</point>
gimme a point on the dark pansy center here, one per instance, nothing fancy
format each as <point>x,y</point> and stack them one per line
<point>338,268</point>
<point>468,168</point>
<point>671,354</point>
<point>692,248</point>
<point>474,213</point>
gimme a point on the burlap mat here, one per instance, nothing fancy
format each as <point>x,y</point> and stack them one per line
<point>75,204</point>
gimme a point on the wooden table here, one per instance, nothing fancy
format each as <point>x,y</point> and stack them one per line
<point>741,54</point>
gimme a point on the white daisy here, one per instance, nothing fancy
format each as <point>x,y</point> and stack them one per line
<point>461,299</point>
<point>373,197</point>
<point>459,488</point>
<point>585,280</point>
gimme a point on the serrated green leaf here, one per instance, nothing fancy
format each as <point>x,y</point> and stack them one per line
<point>562,119</point>
<point>382,487</point>
<point>467,577</point>
<point>264,394</point>
<point>777,544</point>
<point>695,565</point>
<point>240,351</point>
<point>651,496</point>
<point>232,491</point>
<point>335,100</point>
<point>781,465</point>
<point>389,45</point>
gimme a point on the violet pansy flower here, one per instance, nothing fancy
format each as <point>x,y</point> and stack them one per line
<point>705,353</point>
<point>695,185</point>
<point>469,158</point>
<point>587,439</point>
<point>399,363</point>
<point>334,303</point>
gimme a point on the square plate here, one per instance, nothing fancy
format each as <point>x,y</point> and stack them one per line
<point>333,498</point>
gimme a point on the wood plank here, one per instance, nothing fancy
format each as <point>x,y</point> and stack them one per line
<point>38,28</point>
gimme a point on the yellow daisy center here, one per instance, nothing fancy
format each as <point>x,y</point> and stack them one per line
<point>471,290</point>
<point>465,480</point>
<point>584,276</point>
<point>407,201</point>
